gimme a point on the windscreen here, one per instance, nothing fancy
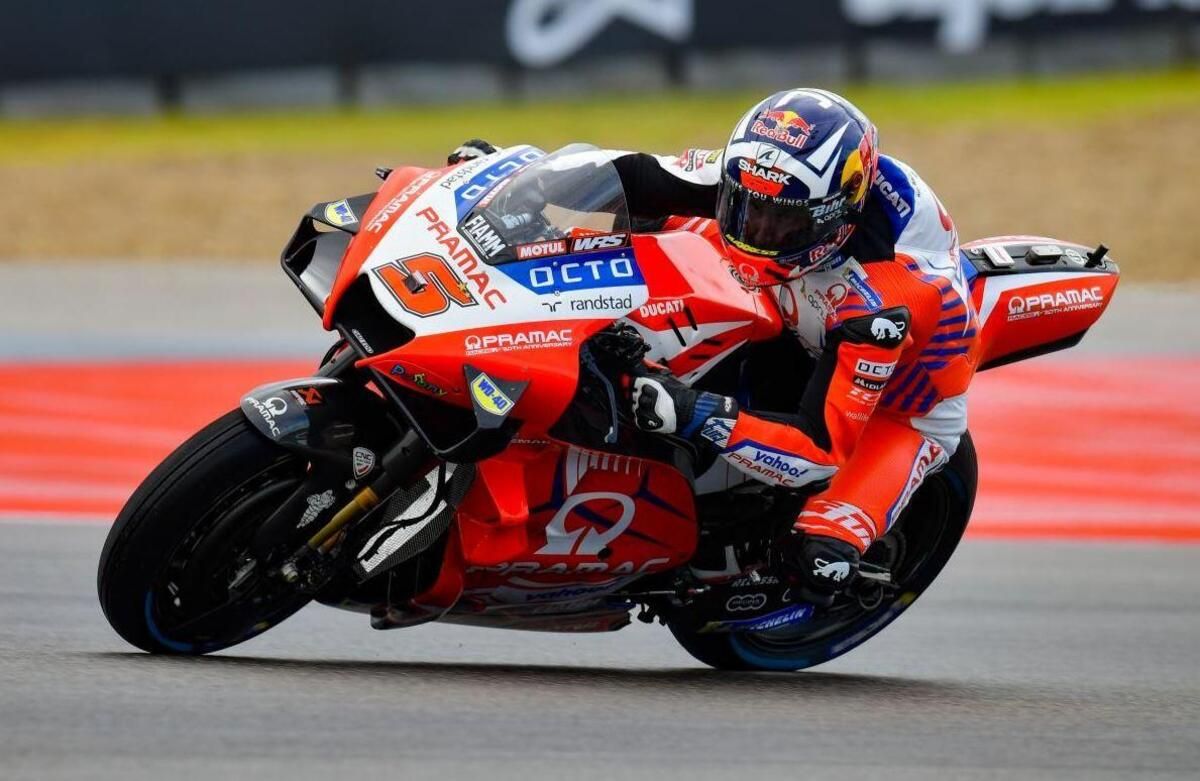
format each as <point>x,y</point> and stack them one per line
<point>573,193</point>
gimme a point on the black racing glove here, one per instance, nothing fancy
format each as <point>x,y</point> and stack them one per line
<point>469,150</point>
<point>664,405</point>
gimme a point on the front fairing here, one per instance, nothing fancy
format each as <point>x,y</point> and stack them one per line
<point>474,290</point>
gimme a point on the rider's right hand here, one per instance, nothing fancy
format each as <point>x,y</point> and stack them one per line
<point>664,405</point>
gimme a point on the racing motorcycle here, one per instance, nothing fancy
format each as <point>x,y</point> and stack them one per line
<point>464,452</point>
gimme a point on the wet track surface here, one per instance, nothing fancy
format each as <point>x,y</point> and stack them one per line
<point>1025,660</point>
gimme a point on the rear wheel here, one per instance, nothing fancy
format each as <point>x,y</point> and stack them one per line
<point>169,561</point>
<point>915,551</point>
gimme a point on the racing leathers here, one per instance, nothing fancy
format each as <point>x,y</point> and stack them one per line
<point>894,334</point>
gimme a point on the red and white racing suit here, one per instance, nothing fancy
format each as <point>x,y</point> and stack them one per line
<point>892,328</point>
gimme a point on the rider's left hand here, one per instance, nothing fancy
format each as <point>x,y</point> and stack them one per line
<point>470,150</point>
<point>664,405</point>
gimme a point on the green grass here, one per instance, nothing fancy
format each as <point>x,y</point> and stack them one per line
<point>663,122</point>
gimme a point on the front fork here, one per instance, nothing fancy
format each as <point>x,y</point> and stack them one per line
<point>329,419</point>
<point>400,464</point>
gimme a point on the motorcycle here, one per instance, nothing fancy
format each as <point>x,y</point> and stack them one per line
<point>464,452</point>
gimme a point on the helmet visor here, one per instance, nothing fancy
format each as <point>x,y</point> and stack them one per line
<point>779,229</point>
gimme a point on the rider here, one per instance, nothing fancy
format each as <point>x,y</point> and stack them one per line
<point>864,264</point>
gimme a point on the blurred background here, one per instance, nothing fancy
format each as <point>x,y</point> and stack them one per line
<point>156,156</point>
<point>203,129</point>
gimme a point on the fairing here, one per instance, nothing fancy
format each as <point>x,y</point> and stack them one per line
<point>550,524</point>
<point>492,290</point>
<point>698,312</point>
<point>1035,295</point>
<point>442,263</point>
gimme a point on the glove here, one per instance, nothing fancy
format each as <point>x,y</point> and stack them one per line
<point>664,405</point>
<point>823,565</point>
<point>470,150</point>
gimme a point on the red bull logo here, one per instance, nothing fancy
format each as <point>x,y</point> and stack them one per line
<point>786,127</point>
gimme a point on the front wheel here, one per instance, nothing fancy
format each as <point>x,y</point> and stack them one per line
<point>169,561</point>
<point>916,550</point>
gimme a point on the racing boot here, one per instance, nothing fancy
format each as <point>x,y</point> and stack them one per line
<point>824,566</point>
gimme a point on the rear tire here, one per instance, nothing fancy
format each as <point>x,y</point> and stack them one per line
<point>164,571</point>
<point>926,534</point>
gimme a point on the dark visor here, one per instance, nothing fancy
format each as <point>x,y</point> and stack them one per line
<point>761,225</point>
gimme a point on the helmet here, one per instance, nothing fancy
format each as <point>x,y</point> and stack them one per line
<point>796,175</point>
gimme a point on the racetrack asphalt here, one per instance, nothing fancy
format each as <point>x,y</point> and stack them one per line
<point>107,367</point>
<point>1025,660</point>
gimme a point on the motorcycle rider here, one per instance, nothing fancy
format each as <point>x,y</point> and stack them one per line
<point>863,259</point>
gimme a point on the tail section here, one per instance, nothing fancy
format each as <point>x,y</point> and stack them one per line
<point>1035,295</point>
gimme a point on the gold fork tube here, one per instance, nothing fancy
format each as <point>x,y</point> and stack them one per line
<point>363,502</point>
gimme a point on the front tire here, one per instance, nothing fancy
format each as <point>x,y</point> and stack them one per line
<point>922,541</point>
<point>165,569</point>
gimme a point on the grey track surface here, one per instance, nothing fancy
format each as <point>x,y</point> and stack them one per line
<point>1023,661</point>
<point>77,309</point>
